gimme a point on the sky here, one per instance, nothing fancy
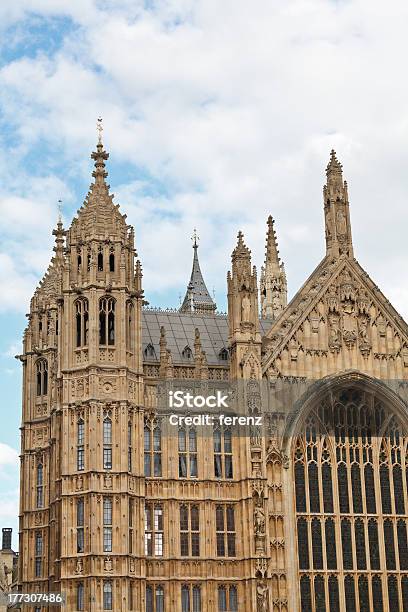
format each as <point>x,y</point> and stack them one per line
<point>216,114</point>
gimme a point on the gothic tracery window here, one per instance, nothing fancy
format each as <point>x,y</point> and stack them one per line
<point>82,322</point>
<point>42,377</point>
<point>107,321</point>
<point>350,477</point>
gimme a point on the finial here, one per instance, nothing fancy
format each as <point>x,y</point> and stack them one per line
<point>99,128</point>
<point>195,239</point>
<point>59,211</point>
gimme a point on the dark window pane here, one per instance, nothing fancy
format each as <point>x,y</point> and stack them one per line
<point>389,544</point>
<point>303,545</point>
<point>402,545</point>
<point>313,488</point>
<point>393,598</point>
<point>346,544</point>
<point>317,544</point>
<point>377,594</point>
<point>398,490</point>
<point>350,594</point>
<point>320,600</point>
<point>360,544</point>
<point>343,488</point>
<point>356,489</point>
<point>373,543</point>
<point>363,594</point>
<point>370,489</point>
<point>385,489</point>
<point>300,487</point>
<point>334,601</point>
<point>404,589</point>
<point>331,545</point>
<point>327,487</point>
<point>305,594</point>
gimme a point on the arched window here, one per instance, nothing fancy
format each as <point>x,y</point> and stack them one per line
<point>111,262</point>
<point>349,470</point>
<point>107,321</point>
<point>129,326</point>
<point>222,442</point>
<point>40,486</point>
<point>42,377</point>
<point>82,322</point>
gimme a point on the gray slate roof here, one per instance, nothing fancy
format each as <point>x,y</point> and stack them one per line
<point>180,332</point>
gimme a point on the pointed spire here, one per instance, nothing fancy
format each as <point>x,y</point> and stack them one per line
<point>337,210</point>
<point>273,283</point>
<point>59,234</point>
<point>197,298</point>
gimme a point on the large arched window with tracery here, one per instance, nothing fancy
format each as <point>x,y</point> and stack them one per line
<point>350,468</point>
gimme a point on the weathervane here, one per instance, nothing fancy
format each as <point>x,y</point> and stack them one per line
<point>59,211</point>
<point>195,238</point>
<point>99,128</point>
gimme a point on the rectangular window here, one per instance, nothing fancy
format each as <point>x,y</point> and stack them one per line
<point>152,449</point>
<point>190,598</point>
<point>189,531</point>
<point>38,554</point>
<point>80,525</point>
<point>227,599</point>
<point>107,596</point>
<point>107,524</point>
<point>80,596</point>
<point>225,531</point>
<point>107,458</point>
<point>153,530</point>
<point>222,441</point>
<point>80,445</point>
<point>154,598</point>
<point>130,525</point>
<point>107,444</point>
<point>129,447</point>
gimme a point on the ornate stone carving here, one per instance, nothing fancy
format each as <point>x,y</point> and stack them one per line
<point>262,600</point>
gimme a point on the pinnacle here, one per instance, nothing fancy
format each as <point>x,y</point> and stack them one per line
<point>334,166</point>
<point>100,156</point>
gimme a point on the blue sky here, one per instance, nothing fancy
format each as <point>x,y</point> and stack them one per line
<point>216,115</point>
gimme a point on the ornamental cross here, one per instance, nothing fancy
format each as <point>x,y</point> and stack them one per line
<point>99,128</point>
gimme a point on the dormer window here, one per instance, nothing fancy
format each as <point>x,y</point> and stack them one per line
<point>187,353</point>
<point>223,354</point>
<point>149,352</point>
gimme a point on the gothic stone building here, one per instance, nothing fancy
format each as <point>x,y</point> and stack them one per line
<point>309,515</point>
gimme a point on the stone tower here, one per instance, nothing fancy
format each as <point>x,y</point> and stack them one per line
<point>80,494</point>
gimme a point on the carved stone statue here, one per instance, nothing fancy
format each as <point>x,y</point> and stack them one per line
<point>259,521</point>
<point>262,604</point>
<point>341,224</point>
<point>246,308</point>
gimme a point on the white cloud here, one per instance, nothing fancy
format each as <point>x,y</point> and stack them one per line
<point>8,456</point>
<point>234,109</point>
